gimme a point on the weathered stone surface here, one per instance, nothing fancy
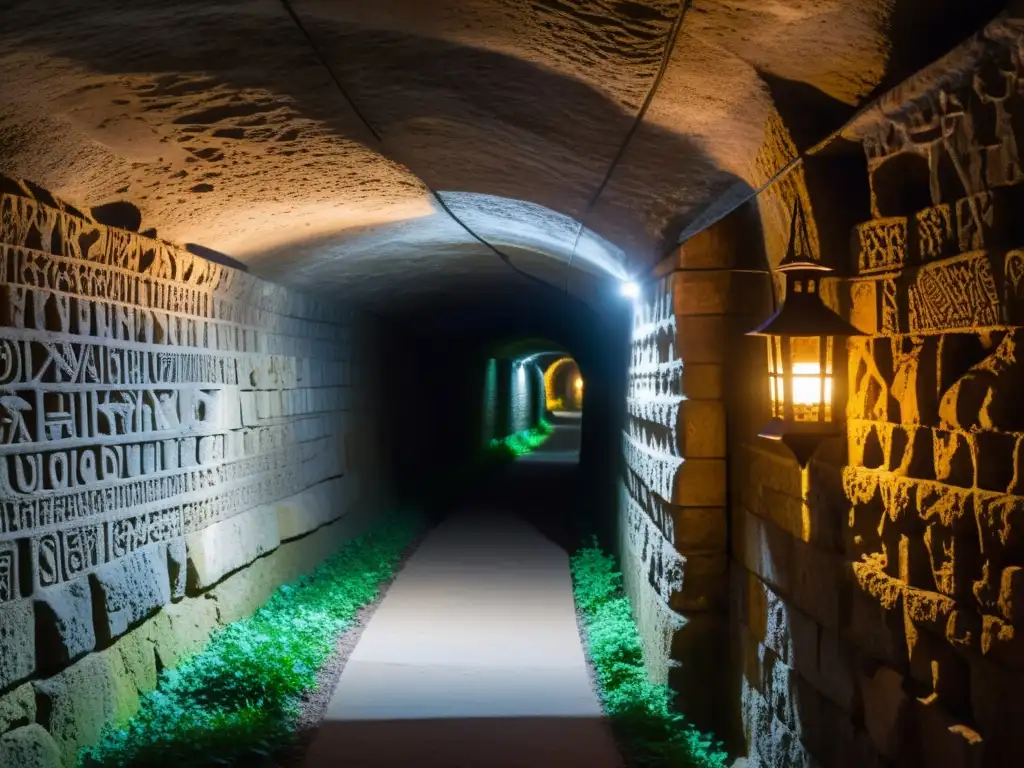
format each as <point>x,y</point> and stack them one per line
<point>945,743</point>
<point>177,567</point>
<point>17,642</point>
<point>699,529</point>
<point>702,339</point>
<point>763,548</point>
<point>64,623</point>
<point>29,747</point>
<point>700,483</point>
<point>224,547</point>
<point>17,708</point>
<point>1011,596</point>
<point>1000,521</point>
<point>312,508</point>
<point>885,707</point>
<point>700,429</point>
<point>703,583</point>
<point>816,580</point>
<point>182,628</point>
<point>130,589</point>
<point>75,704</point>
<point>836,678</point>
<point>137,656</point>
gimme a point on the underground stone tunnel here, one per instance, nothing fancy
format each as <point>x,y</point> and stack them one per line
<point>376,385</point>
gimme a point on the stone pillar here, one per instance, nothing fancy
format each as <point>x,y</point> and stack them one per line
<point>673,509</point>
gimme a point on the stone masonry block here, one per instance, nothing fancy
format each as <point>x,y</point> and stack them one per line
<point>312,508</point>
<point>1011,596</point>
<point>945,742</point>
<point>182,629</point>
<point>817,582</point>
<point>75,704</point>
<point>700,483</point>
<point>787,631</point>
<point>700,429</point>
<point>836,671</point>
<point>17,707</point>
<point>954,458</point>
<point>29,747</point>
<point>177,567</point>
<point>703,583</point>
<point>702,339</point>
<point>699,529</point>
<point>886,708</point>
<point>223,547</point>
<point>874,622</point>
<point>133,659</point>
<point>764,549</point>
<point>699,293</point>
<point>701,381</point>
<point>130,589</point>
<point>17,642</point>
<point>64,623</point>
<point>865,309</point>
<point>1000,521</point>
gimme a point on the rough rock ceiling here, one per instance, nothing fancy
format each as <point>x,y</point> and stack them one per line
<point>223,126</point>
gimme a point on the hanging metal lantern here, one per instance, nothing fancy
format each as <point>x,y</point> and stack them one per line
<point>804,339</point>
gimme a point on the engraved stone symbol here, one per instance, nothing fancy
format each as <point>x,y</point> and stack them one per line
<point>60,423</point>
<point>12,422</point>
<point>114,410</point>
<point>8,573</point>
<point>10,361</point>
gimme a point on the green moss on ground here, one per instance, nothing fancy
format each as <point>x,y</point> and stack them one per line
<point>522,443</point>
<point>649,731</point>
<point>237,701</point>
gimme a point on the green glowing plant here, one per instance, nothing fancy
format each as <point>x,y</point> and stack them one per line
<point>522,443</point>
<point>649,731</point>
<point>236,702</point>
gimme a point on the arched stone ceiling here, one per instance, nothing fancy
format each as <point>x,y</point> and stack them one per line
<point>222,124</point>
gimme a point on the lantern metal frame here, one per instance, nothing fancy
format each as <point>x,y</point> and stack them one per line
<point>801,426</point>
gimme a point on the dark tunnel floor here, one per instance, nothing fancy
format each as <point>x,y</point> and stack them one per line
<point>473,657</point>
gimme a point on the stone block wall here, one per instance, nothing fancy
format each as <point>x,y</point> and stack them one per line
<point>177,439</point>
<point>875,596</point>
<point>672,510</point>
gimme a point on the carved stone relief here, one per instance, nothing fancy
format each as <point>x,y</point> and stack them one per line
<point>146,394</point>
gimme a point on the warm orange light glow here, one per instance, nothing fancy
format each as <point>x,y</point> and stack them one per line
<point>807,384</point>
<point>794,366</point>
<point>579,383</point>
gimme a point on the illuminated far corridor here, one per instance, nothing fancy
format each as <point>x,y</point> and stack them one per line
<point>473,658</point>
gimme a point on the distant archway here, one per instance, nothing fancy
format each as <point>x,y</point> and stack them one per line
<point>563,386</point>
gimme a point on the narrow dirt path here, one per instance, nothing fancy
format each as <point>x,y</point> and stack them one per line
<point>473,658</point>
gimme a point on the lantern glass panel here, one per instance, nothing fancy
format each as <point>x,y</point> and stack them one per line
<point>809,365</point>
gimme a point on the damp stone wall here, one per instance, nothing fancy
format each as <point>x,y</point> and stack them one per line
<point>177,439</point>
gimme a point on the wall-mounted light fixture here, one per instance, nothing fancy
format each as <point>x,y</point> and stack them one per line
<point>804,339</point>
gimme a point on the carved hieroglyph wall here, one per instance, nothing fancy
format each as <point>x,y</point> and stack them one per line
<point>878,597</point>
<point>165,421</point>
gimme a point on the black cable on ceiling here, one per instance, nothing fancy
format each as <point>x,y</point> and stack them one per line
<point>670,44</point>
<point>376,135</point>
